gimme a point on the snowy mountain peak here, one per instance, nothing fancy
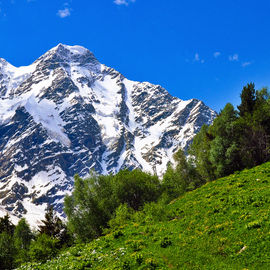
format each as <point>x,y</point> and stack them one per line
<point>76,49</point>
<point>2,61</point>
<point>67,113</point>
<point>69,54</point>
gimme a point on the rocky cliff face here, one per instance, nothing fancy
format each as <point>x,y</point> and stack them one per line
<point>67,113</point>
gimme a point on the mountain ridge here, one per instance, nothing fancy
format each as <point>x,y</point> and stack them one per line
<point>67,113</point>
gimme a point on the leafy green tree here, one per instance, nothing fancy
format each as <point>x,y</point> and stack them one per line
<point>182,178</point>
<point>224,147</point>
<point>199,152</point>
<point>135,188</point>
<point>22,235</point>
<point>22,239</point>
<point>173,184</point>
<point>95,199</point>
<point>123,214</point>
<point>86,209</point>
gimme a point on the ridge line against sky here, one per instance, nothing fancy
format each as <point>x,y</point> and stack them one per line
<point>198,50</point>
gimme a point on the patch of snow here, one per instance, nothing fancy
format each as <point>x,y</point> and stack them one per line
<point>44,112</point>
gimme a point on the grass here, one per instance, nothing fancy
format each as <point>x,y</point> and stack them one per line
<point>225,224</point>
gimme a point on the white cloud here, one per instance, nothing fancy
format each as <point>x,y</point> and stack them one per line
<point>198,59</point>
<point>234,57</point>
<point>63,13</point>
<point>217,54</point>
<point>123,2</point>
<point>245,64</point>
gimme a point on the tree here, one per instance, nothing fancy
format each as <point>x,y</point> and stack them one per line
<point>199,151</point>
<point>22,239</point>
<point>86,210</point>
<point>256,131</point>
<point>184,177</point>
<point>22,235</point>
<point>51,224</point>
<point>95,199</point>
<point>6,225</point>
<point>236,139</point>
<point>54,227</point>
<point>135,188</point>
<point>224,147</point>
<point>248,100</point>
<point>173,183</point>
<point>7,251</point>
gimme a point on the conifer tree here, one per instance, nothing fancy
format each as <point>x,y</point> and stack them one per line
<point>7,251</point>
<point>248,100</point>
<point>52,225</point>
<point>6,225</point>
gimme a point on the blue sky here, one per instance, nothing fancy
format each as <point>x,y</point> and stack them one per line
<point>195,49</point>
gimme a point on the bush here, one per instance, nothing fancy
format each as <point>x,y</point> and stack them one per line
<point>43,248</point>
<point>123,214</point>
<point>155,212</point>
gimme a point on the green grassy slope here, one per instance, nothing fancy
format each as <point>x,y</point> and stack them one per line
<point>223,225</point>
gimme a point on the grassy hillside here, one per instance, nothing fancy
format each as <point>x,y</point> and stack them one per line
<point>223,225</point>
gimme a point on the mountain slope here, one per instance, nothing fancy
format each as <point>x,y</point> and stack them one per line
<point>224,224</point>
<point>66,113</point>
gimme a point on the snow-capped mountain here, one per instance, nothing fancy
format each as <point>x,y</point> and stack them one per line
<point>67,113</point>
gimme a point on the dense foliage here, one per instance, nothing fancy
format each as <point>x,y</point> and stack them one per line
<point>222,225</point>
<point>95,199</point>
<point>184,177</point>
<point>237,139</point>
<point>19,244</point>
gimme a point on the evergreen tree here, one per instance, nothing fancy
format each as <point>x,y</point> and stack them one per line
<point>248,100</point>
<point>256,131</point>
<point>6,225</point>
<point>7,251</point>
<point>55,228</point>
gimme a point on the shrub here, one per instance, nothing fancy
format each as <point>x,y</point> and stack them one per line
<point>43,248</point>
